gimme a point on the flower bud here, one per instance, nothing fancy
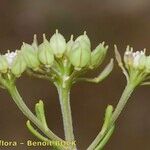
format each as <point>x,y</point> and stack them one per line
<point>98,55</point>
<point>45,53</point>
<point>3,64</point>
<point>30,56</point>
<point>58,44</point>
<point>80,53</point>
<point>18,65</point>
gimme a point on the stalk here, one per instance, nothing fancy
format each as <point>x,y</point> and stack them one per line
<point>64,97</point>
<point>122,102</point>
<point>120,106</point>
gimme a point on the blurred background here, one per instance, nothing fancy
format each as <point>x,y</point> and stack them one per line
<point>114,21</point>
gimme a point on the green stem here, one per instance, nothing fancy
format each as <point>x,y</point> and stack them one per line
<point>105,139</point>
<point>101,135</point>
<point>26,111</point>
<point>122,102</point>
<point>64,97</point>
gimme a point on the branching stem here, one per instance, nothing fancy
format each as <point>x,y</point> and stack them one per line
<point>26,111</point>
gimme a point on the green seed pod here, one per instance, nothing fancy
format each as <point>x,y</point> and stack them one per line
<point>80,53</point>
<point>30,56</point>
<point>3,64</point>
<point>18,65</point>
<point>45,53</point>
<point>58,44</point>
<point>84,38</point>
<point>98,55</point>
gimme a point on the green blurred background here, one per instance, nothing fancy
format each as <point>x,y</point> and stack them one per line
<point>114,21</point>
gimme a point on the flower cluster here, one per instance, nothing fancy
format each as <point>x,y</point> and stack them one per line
<point>136,60</point>
<point>136,63</point>
<point>52,53</point>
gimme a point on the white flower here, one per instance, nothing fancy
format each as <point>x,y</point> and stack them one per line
<point>10,56</point>
<point>136,66</point>
<point>134,59</point>
<point>137,56</point>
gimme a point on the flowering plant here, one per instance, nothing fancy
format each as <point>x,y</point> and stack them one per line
<point>63,64</point>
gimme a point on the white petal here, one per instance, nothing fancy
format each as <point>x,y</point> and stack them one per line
<point>10,57</point>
